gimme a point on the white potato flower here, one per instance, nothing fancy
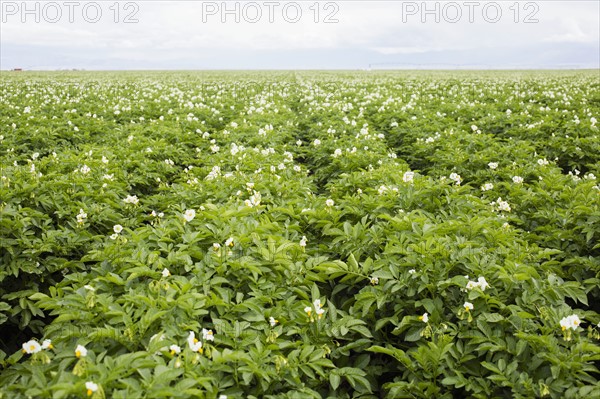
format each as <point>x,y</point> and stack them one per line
<point>32,346</point>
<point>189,215</point>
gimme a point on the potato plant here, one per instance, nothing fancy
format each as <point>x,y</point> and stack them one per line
<point>300,235</point>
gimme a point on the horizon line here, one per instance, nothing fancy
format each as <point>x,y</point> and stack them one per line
<point>551,68</point>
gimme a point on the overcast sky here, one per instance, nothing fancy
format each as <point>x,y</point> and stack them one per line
<point>299,35</point>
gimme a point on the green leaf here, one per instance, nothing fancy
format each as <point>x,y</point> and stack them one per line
<point>334,380</point>
<point>413,334</point>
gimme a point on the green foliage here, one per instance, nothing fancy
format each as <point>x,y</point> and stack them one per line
<point>347,238</point>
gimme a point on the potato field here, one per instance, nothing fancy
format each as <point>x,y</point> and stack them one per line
<point>382,234</point>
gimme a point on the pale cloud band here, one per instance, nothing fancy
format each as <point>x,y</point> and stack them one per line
<point>298,34</point>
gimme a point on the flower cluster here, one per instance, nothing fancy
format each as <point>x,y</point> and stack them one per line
<point>570,322</point>
<point>501,205</point>
<point>254,200</point>
<point>81,217</point>
<point>455,177</point>
<point>194,344</point>
<point>214,173</point>
<point>481,283</point>
<point>568,325</point>
<point>32,346</point>
<point>154,214</point>
<point>131,199</point>
<point>487,187</point>
<point>318,308</point>
<point>117,228</point>
<point>384,189</point>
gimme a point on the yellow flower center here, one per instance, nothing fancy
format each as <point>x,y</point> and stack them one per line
<point>78,353</point>
<point>89,392</point>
